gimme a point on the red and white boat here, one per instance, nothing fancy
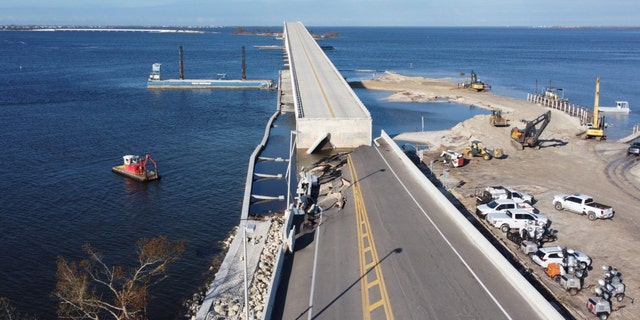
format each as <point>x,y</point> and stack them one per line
<point>135,167</point>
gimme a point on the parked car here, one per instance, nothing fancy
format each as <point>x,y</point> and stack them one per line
<point>634,149</point>
<point>544,256</point>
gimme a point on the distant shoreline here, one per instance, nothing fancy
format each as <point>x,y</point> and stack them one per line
<point>152,30</point>
<point>253,31</point>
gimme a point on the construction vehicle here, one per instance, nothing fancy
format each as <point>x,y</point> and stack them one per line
<point>452,158</point>
<point>477,149</point>
<point>596,129</point>
<point>476,84</point>
<point>528,137</point>
<point>496,119</point>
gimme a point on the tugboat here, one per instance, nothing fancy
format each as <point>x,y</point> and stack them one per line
<point>135,167</point>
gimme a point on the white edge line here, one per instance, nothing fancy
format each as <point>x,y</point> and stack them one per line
<point>445,238</point>
<point>313,273</point>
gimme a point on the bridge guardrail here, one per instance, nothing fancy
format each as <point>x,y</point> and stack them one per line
<point>536,300</point>
<point>294,79</point>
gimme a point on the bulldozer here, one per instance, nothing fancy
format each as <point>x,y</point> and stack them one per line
<point>496,119</point>
<point>528,137</point>
<point>477,149</point>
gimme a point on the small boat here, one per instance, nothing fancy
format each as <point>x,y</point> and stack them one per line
<point>621,107</point>
<point>135,167</point>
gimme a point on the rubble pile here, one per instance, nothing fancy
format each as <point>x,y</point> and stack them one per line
<point>331,182</point>
<point>259,289</point>
<point>232,307</point>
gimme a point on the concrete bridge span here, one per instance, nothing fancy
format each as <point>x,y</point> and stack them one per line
<point>325,105</point>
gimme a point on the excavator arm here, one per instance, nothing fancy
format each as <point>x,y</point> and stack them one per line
<point>528,137</point>
<point>533,133</point>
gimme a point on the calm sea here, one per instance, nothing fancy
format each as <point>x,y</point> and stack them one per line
<point>72,103</point>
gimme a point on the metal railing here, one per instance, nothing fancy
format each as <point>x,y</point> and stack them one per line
<point>571,109</point>
<point>294,78</point>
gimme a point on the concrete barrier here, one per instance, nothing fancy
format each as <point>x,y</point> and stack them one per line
<point>236,244</point>
<point>508,272</point>
<point>633,136</point>
<point>345,132</point>
<point>246,202</point>
<point>278,266</point>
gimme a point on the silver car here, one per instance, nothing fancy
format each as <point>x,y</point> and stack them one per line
<point>634,149</point>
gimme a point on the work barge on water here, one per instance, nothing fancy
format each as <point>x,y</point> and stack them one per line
<point>135,167</point>
<point>156,82</point>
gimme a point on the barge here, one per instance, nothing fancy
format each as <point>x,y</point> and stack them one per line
<point>135,167</point>
<point>156,82</point>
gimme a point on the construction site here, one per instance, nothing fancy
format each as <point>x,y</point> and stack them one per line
<point>543,152</point>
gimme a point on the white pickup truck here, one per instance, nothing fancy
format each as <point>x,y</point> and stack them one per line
<point>514,219</point>
<point>582,204</point>
<point>501,205</point>
<point>500,192</point>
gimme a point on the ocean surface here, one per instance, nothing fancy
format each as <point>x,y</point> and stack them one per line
<point>73,103</point>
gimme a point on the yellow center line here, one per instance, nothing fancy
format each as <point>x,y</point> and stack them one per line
<point>369,260</point>
<point>315,74</point>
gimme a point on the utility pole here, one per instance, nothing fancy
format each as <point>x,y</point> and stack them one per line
<point>244,66</point>
<point>181,65</point>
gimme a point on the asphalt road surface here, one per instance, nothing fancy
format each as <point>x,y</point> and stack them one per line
<point>322,89</point>
<point>390,253</point>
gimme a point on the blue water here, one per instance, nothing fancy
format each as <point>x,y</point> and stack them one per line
<point>512,60</point>
<point>72,103</point>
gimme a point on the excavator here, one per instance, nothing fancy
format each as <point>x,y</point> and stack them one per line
<point>528,137</point>
<point>596,130</point>
<point>476,84</point>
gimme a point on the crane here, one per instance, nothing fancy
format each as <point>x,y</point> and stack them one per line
<point>597,125</point>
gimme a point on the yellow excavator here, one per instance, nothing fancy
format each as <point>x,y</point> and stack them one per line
<point>476,84</point>
<point>596,130</point>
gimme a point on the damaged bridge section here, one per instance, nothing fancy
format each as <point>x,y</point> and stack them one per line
<point>328,112</point>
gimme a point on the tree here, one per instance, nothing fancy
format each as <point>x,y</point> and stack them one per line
<point>8,311</point>
<point>90,289</point>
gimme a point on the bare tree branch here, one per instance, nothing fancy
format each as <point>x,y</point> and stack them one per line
<point>8,311</point>
<point>93,290</point>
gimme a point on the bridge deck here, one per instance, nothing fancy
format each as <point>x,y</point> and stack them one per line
<point>393,253</point>
<point>323,91</point>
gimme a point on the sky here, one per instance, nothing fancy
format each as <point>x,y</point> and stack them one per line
<point>321,12</point>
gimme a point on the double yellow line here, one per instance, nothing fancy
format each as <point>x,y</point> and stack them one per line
<point>373,284</point>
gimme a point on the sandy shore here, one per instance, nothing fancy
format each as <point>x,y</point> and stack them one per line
<point>565,163</point>
<point>420,89</point>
